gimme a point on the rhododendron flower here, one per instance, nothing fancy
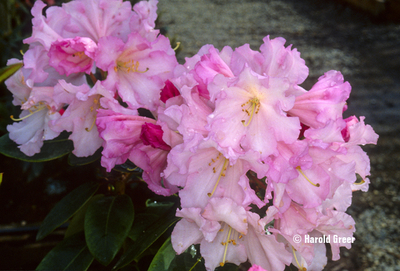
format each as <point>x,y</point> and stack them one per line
<point>39,110</point>
<point>143,20</point>
<point>98,18</point>
<point>136,65</point>
<point>47,29</point>
<point>72,55</point>
<point>235,238</point>
<point>282,62</point>
<point>124,138</point>
<point>80,115</point>
<point>325,101</point>
<point>250,111</point>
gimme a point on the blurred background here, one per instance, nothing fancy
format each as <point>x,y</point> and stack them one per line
<point>360,38</point>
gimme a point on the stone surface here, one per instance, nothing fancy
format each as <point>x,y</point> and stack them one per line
<point>329,35</point>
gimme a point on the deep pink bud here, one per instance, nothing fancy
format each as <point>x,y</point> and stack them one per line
<point>168,91</point>
<point>152,135</point>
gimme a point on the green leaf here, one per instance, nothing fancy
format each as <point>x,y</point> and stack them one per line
<point>188,260</point>
<point>144,220</point>
<point>9,70</point>
<point>66,208</point>
<point>163,258</point>
<point>78,220</point>
<point>51,149</point>
<point>70,254</point>
<point>107,224</point>
<point>147,238</point>
<point>80,161</point>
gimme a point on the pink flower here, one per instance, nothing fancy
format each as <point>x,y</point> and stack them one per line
<point>168,91</point>
<point>325,101</point>
<point>228,233</point>
<point>47,29</point>
<point>72,55</point>
<point>32,130</point>
<point>283,62</point>
<point>151,134</point>
<point>135,66</point>
<point>98,18</point>
<point>250,111</point>
<point>80,115</point>
<point>144,18</point>
<point>39,110</point>
<point>123,139</point>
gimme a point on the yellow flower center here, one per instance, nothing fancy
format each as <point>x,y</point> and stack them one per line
<point>250,107</point>
<point>128,66</point>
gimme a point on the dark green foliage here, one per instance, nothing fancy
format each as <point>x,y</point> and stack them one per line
<point>52,149</point>
<point>66,208</point>
<point>107,224</point>
<point>70,254</point>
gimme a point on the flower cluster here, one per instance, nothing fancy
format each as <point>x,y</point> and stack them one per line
<point>232,131</point>
<point>245,121</point>
<point>80,54</point>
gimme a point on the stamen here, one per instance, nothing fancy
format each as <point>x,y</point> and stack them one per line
<point>177,45</point>
<point>78,54</point>
<point>198,260</point>
<point>222,174</point>
<point>129,66</point>
<point>226,247</point>
<point>255,107</point>
<point>95,106</point>
<point>304,175</point>
<point>295,257</point>
<point>91,127</point>
<point>27,116</point>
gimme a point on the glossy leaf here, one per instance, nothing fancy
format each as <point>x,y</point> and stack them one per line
<point>147,238</point>
<point>163,258</point>
<point>144,220</point>
<point>73,160</point>
<point>188,260</point>
<point>9,70</point>
<point>107,224</point>
<point>78,220</point>
<point>51,149</point>
<point>70,254</point>
<point>66,208</point>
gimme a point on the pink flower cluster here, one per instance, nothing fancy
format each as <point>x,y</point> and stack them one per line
<point>232,130</point>
<point>86,55</point>
<point>245,121</point>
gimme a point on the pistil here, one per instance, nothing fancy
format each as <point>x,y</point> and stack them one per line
<point>302,268</point>
<point>40,108</point>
